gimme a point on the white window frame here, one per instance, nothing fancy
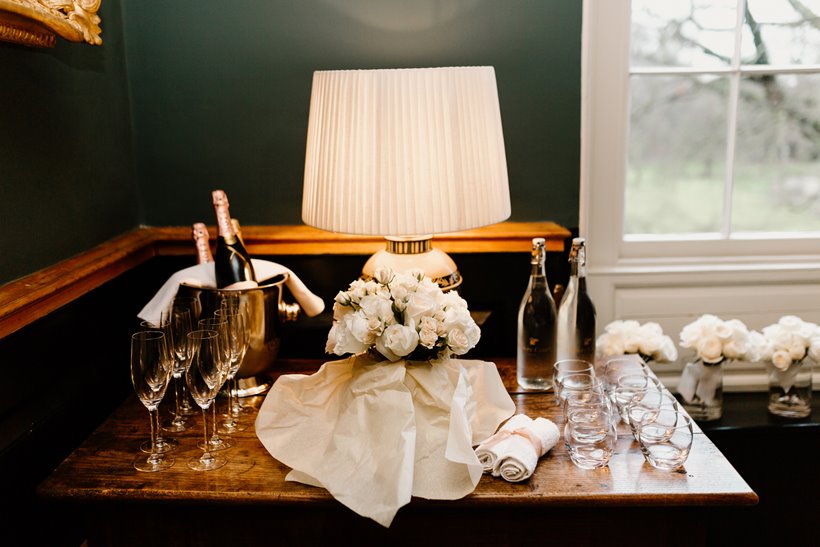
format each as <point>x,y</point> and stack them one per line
<point>618,270</point>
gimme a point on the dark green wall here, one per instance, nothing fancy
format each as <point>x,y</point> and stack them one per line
<point>216,94</point>
<point>221,92</point>
<point>66,165</point>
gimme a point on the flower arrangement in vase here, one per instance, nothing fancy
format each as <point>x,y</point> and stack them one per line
<point>789,347</point>
<point>623,337</point>
<point>401,316</point>
<point>714,341</point>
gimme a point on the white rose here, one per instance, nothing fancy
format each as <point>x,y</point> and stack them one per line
<point>376,306</point>
<point>723,331</point>
<point>650,345</point>
<point>614,327</point>
<point>455,317</point>
<point>734,350</point>
<point>397,341</point>
<point>458,341</point>
<point>357,325</point>
<point>383,275</point>
<point>781,359</point>
<point>342,298</point>
<point>814,348</point>
<point>419,304</point>
<point>777,336</point>
<point>428,337</point>
<point>790,323</point>
<point>452,299</point>
<point>710,349</point>
<point>607,344</point>
<point>651,329</point>
<point>473,333</point>
<point>797,348</point>
<point>631,345</point>
<point>341,342</point>
<point>340,311</point>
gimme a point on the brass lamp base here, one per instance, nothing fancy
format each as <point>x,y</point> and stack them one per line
<point>403,254</point>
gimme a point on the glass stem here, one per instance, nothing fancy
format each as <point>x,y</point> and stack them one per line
<point>215,436</point>
<point>236,409</point>
<point>177,382</point>
<point>156,438</point>
<point>230,421</point>
<point>154,433</point>
<point>206,454</point>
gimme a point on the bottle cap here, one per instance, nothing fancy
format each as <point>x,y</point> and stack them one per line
<point>219,197</point>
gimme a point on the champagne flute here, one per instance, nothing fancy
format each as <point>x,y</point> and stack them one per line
<point>223,361</point>
<point>238,342</point>
<point>163,444</point>
<point>150,374</point>
<point>180,326</point>
<point>236,303</point>
<point>204,379</point>
<point>195,309</point>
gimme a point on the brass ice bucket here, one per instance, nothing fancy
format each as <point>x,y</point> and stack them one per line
<point>266,311</point>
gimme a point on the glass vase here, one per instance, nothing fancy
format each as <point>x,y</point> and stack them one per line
<point>701,390</point>
<point>790,389</point>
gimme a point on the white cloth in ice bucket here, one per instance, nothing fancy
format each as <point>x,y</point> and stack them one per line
<point>375,433</point>
<point>202,275</point>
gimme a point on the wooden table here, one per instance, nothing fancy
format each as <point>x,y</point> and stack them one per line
<point>249,502</point>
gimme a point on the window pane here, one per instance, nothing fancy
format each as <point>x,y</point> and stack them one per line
<point>677,149</point>
<point>777,158</point>
<point>781,32</point>
<point>693,33</point>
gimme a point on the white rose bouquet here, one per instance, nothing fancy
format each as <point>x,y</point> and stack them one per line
<point>402,316</point>
<point>647,340</point>
<point>789,341</point>
<point>714,339</point>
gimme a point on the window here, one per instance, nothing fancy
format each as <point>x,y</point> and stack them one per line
<point>724,122</point>
<point>706,117</point>
<point>700,173</point>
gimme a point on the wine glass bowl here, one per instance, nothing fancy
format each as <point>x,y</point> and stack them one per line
<point>150,374</point>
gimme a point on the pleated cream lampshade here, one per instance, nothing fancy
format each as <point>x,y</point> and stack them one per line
<point>405,153</point>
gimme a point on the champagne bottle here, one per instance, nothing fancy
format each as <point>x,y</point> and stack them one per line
<point>232,263</point>
<point>576,313</point>
<point>536,326</point>
<point>202,241</point>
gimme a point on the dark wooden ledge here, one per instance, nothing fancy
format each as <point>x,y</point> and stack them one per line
<point>27,299</point>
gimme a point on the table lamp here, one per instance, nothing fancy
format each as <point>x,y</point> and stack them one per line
<point>405,154</point>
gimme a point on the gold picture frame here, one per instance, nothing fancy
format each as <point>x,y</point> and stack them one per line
<point>38,22</point>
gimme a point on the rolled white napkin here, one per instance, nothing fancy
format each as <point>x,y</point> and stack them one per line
<point>513,451</point>
<point>202,275</point>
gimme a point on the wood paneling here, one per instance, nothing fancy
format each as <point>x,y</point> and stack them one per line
<point>31,297</point>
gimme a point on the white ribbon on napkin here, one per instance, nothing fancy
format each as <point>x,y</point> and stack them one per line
<point>513,451</point>
<point>375,433</point>
<point>202,275</point>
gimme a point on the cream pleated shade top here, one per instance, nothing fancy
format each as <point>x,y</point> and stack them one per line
<point>404,152</point>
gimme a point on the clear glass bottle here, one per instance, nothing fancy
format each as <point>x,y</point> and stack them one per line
<point>536,326</point>
<point>576,312</point>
